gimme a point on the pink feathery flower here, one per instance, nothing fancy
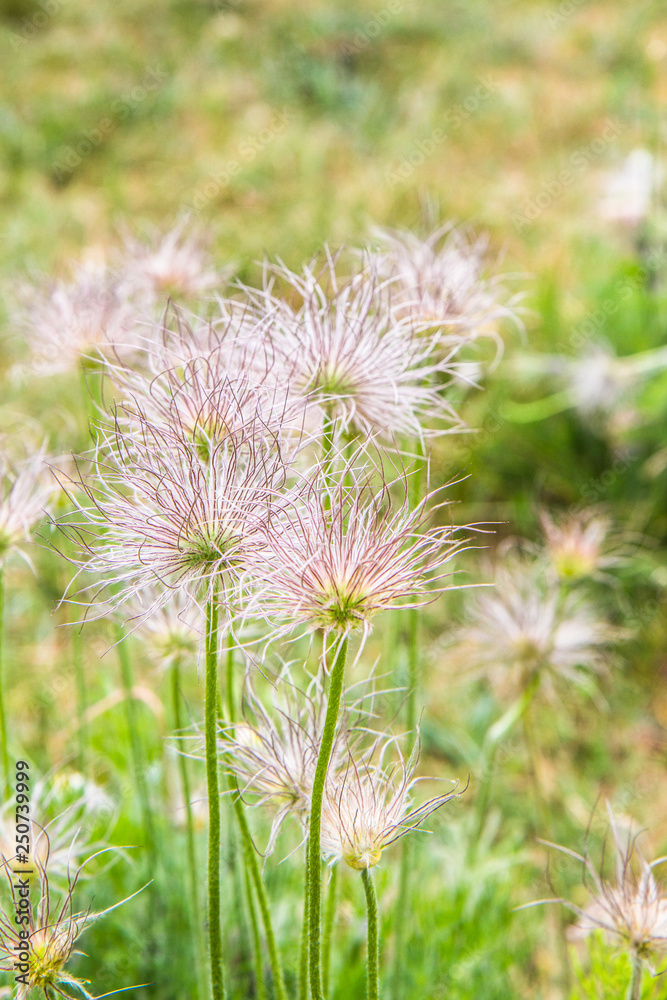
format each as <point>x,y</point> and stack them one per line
<point>351,357</point>
<point>42,944</point>
<point>159,515</point>
<point>274,754</point>
<point>367,807</point>
<point>584,544</point>
<point>340,553</point>
<point>440,280</point>
<point>173,632</point>
<point>175,263</point>
<point>26,489</point>
<point>77,323</point>
<point>523,630</point>
<point>210,380</point>
<point>631,907</point>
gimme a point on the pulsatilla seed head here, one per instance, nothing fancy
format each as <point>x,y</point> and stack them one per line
<point>347,352</point>
<point>367,807</point>
<point>339,554</point>
<point>159,516</point>
<point>631,906</point>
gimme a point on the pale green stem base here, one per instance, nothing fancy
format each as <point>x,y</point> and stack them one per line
<point>494,737</point>
<point>373,991</point>
<point>314,858</point>
<point>635,987</point>
<point>542,806</point>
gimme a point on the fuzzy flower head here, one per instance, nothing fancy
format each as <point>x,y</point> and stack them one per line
<point>344,350</point>
<point>26,489</point>
<point>157,515</point>
<point>171,635</point>
<point>274,754</point>
<point>522,631</point>
<point>367,807</point>
<point>440,280</point>
<point>63,809</point>
<point>78,323</point>
<point>175,263</point>
<point>37,949</point>
<point>631,907</point>
<point>209,382</point>
<point>342,553</point>
<point>582,545</point>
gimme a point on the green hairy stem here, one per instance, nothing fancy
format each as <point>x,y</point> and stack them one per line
<point>314,857</point>
<point>303,963</point>
<point>210,725</point>
<point>373,990</point>
<point>328,929</point>
<point>250,856</point>
<point>193,872</point>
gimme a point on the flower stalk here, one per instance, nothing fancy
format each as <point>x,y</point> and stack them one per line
<point>635,986</point>
<point>189,824</point>
<point>329,921</point>
<point>210,723</point>
<point>260,987</point>
<point>373,989</point>
<point>314,856</point>
<point>411,725</point>
<point>256,877</point>
<point>253,874</point>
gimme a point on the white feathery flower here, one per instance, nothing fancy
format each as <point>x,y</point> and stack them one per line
<point>341,553</point>
<point>158,515</point>
<point>440,280</point>
<point>37,948</point>
<point>583,544</point>
<point>368,807</point>
<point>210,381</point>
<point>348,354</point>
<point>172,633</point>
<point>77,323</point>
<point>175,263</point>
<point>26,489</point>
<point>630,909</point>
<point>524,630</point>
<point>63,808</point>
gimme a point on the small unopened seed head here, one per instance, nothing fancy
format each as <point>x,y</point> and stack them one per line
<point>630,908</point>
<point>50,949</point>
<point>367,807</point>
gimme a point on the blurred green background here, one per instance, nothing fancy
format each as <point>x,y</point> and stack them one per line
<point>281,125</point>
